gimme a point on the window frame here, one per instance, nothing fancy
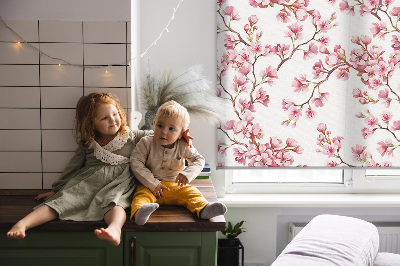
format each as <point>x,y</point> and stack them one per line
<point>354,181</point>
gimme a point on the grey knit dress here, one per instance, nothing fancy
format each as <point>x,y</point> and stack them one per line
<point>96,180</point>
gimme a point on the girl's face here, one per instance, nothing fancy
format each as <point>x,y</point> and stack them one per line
<point>107,121</point>
<point>167,131</point>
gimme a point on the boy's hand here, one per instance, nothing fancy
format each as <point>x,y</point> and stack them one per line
<point>158,191</point>
<point>187,137</point>
<point>181,180</point>
<point>45,196</point>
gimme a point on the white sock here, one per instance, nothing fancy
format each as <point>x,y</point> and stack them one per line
<point>144,212</point>
<point>213,209</point>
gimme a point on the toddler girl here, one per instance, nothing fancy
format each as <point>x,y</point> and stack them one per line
<point>97,183</point>
<point>158,162</point>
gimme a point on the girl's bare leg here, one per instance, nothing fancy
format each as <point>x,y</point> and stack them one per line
<point>39,216</point>
<point>115,218</point>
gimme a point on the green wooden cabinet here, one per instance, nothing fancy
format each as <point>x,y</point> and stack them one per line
<point>170,248</point>
<point>59,248</point>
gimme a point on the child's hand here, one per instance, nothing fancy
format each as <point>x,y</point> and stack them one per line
<point>45,196</point>
<point>159,190</point>
<point>187,137</point>
<point>181,180</point>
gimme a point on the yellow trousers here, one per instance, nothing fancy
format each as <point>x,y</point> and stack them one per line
<point>187,196</point>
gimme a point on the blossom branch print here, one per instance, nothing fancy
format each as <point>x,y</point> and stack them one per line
<point>294,68</point>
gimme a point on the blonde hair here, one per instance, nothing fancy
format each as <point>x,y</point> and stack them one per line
<point>175,110</point>
<point>86,109</point>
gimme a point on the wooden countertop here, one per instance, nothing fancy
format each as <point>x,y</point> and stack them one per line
<point>15,204</point>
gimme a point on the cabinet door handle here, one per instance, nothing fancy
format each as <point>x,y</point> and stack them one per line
<point>132,251</point>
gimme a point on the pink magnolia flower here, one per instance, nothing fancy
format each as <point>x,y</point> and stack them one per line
<point>357,93</point>
<point>324,40</point>
<point>253,20</point>
<point>395,11</point>
<point>229,125</point>
<point>331,163</point>
<point>318,69</point>
<point>262,97</point>
<point>322,127</point>
<point>344,6</point>
<point>338,142</point>
<point>240,80</point>
<point>378,28</point>
<point>396,125</point>
<point>260,3</point>
<point>396,42</point>
<point>298,149</point>
<point>286,105</point>
<point>245,105</point>
<point>358,152</point>
<point>366,132</point>
<point>240,155</point>
<point>310,113</point>
<point>383,147</point>
<point>256,48</point>
<point>220,2</point>
<point>247,116</point>
<point>285,158</point>
<point>275,143</point>
<point>325,25</point>
<point>329,150</point>
<point>232,12</point>
<point>290,142</point>
<point>371,121</point>
<point>342,73</point>
<point>301,13</point>
<point>244,56</point>
<point>269,74</point>
<point>384,97</point>
<point>257,131</point>
<point>332,60</point>
<point>386,116</point>
<point>245,69</point>
<point>295,114</point>
<point>320,102</point>
<point>242,129</point>
<point>219,91</point>
<point>312,50</point>
<point>300,84</point>
<point>281,49</point>
<point>365,39</point>
<point>283,16</point>
<point>295,31</point>
<point>230,42</point>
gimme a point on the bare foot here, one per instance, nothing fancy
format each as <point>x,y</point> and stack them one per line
<point>110,234</point>
<point>17,231</point>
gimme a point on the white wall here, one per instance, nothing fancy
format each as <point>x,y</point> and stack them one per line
<point>192,40</point>
<point>71,10</point>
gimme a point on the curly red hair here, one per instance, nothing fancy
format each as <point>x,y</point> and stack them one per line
<point>86,109</point>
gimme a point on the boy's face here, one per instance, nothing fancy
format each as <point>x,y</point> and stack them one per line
<point>167,131</point>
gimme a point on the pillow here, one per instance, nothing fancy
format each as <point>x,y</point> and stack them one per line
<point>387,259</point>
<point>332,240</point>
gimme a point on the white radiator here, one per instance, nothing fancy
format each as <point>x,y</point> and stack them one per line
<point>389,235</point>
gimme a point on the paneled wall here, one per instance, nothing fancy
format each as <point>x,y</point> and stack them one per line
<point>38,93</point>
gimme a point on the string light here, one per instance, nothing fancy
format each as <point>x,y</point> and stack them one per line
<point>84,66</point>
<point>164,30</point>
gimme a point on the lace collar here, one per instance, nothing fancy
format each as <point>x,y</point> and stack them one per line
<point>105,154</point>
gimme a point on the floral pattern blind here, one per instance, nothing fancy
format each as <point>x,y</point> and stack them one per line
<point>309,83</point>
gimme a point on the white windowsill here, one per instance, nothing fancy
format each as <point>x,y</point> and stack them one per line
<point>311,200</point>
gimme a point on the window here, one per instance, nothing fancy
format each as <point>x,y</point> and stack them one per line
<point>323,180</point>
